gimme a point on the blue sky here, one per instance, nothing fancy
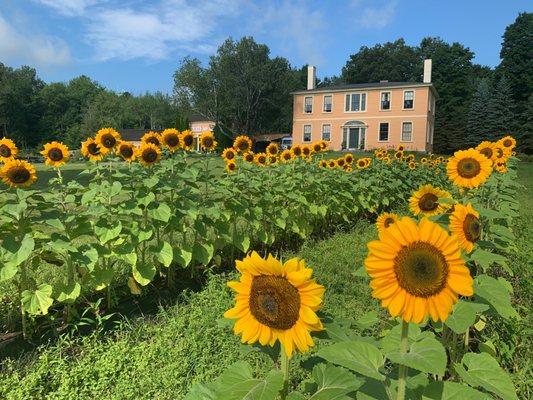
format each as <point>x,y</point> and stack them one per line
<point>135,45</point>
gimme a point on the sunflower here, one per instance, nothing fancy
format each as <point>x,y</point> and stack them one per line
<point>426,201</point>
<point>91,150</point>
<point>272,159</point>
<point>248,156</point>
<point>468,168</point>
<point>148,154</point>
<point>107,139</point>
<point>8,150</point>
<point>348,158</point>
<point>272,149</point>
<point>465,226</point>
<point>500,167</point>
<point>322,164</point>
<point>362,163</point>
<point>417,271</point>
<point>187,140</point>
<point>409,158</point>
<point>341,162</point>
<point>229,154</point>
<point>286,156</point>
<point>296,150</point>
<point>387,159</point>
<point>231,166</point>
<point>400,147</point>
<point>440,159</point>
<point>18,173</point>
<point>260,159</point>
<point>379,155</point>
<point>424,160</point>
<point>347,168</point>
<point>152,138</point>
<point>488,149</point>
<point>398,155</point>
<point>242,144</point>
<point>332,164</point>
<point>306,151</point>
<point>171,139</point>
<point>385,220</point>
<point>411,165</point>
<point>324,145</point>
<point>508,142</point>
<point>276,301</point>
<point>126,150</point>
<point>207,141</point>
<point>317,147</point>
<point>55,154</point>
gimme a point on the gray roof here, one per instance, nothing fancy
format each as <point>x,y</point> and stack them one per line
<point>372,85</point>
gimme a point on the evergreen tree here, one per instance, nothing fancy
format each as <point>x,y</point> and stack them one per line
<point>477,126</point>
<point>501,111</point>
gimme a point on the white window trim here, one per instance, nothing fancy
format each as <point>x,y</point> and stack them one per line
<point>388,133</point>
<point>412,131</point>
<point>322,132</point>
<point>324,103</point>
<point>390,100</point>
<point>403,99</point>
<point>312,105</point>
<point>303,133</point>
<point>355,112</point>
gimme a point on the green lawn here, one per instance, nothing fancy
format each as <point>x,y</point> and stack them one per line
<point>160,356</point>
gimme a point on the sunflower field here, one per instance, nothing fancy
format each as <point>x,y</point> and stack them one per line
<point>154,215</point>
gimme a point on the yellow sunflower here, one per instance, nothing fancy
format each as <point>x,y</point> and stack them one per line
<point>148,154</point>
<point>18,173</point>
<point>91,150</point>
<point>231,166</point>
<point>170,138</point>
<point>276,301</point>
<point>424,160</point>
<point>306,151</point>
<point>151,138</point>
<point>272,149</point>
<point>248,157</point>
<point>500,166</point>
<point>107,139</point>
<point>332,164</point>
<point>417,270</point>
<point>187,140</point>
<point>242,144</point>
<point>286,156</point>
<point>324,145</point>
<point>508,142</point>
<point>465,226</point>
<point>362,163</point>
<point>317,147</point>
<point>55,154</point>
<point>398,155</point>
<point>410,157</point>
<point>468,168</point>
<point>229,154</point>
<point>411,165</point>
<point>349,158</point>
<point>126,150</point>
<point>8,150</point>
<point>322,164</point>
<point>296,150</point>
<point>341,162</point>
<point>207,141</point>
<point>387,159</point>
<point>400,147</point>
<point>385,220</point>
<point>379,155</point>
<point>272,159</point>
<point>488,149</point>
<point>426,201</point>
<point>347,168</point>
<point>260,159</point>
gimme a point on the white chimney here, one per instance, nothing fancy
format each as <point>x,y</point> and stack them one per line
<point>311,77</point>
<point>427,70</point>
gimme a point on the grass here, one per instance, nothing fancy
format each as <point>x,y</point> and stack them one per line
<point>160,356</point>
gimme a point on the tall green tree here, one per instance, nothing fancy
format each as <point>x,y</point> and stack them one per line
<point>478,127</point>
<point>501,115</point>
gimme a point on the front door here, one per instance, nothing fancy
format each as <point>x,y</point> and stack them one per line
<point>353,138</point>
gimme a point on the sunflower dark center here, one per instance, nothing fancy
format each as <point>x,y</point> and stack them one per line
<point>230,155</point>
<point>306,151</point>
<point>274,302</point>
<point>273,150</point>
<point>297,151</point>
<point>486,151</point>
<point>188,140</point>
<point>249,157</point>
<point>361,163</point>
<point>5,151</point>
<point>317,147</point>
<point>93,149</point>
<point>261,159</point>
<point>272,159</point>
<point>388,222</point>
<point>149,155</point>
<point>472,228</point>
<point>55,154</point>
<point>18,175</point>
<point>499,152</point>
<point>507,142</point>
<point>126,151</point>
<point>421,269</point>
<point>340,162</point>
<point>208,142</point>
<point>468,168</point>
<point>109,141</point>
<point>231,166</point>
<point>172,140</point>
<point>428,202</point>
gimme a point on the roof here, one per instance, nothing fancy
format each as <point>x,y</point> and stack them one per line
<point>198,118</point>
<point>372,85</point>
<point>135,134</point>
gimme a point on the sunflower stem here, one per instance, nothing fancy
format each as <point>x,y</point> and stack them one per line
<point>285,370</point>
<point>402,374</point>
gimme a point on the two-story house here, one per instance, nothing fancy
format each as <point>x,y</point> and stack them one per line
<point>366,116</point>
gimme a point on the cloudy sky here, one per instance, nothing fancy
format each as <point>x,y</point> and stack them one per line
<point>136,45</point>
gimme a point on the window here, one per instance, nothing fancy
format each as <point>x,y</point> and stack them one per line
<point>355,102</point>
<point>308,105</point>
<point>307,133</point>
<point>327,103</point>
<point>407,132</point>
<point>429,133</point>
<point>408,99</point>
<point>430,102</point>
<point>326,132</point>
<point>385,100</point>
<point>383,131</point>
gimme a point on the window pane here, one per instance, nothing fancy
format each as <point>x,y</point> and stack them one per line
<point>385,100</point>
<point>308,104</point>
<point>384,131</point>
<point>347,106</point>
<point>326,132</point>
<point>407,129</point>
<point>327,103</point>
<point>307,133</point>
<point>355,102</point>
<point>408,99</point>
<point>363,102</point>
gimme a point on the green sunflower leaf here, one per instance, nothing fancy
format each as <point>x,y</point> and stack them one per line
<point>333,382</point>
<point>494,293</point>
<point>38,301</point>
<point>452,391</point>
<point>464,315</point>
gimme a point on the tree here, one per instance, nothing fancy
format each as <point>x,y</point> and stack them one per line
<point>501,111</point>
<point>477,127</point>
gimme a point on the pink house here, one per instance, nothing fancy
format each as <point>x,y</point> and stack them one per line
<point>366,116</point>
<point>199,123</point>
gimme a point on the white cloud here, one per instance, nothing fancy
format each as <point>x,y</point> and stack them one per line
<point>156,31</point>
<point>378,17</point>
<point>39,51</point>
<point>68,7</point>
